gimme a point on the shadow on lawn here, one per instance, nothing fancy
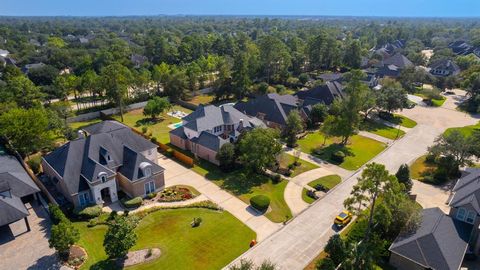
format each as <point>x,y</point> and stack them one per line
<point>326,152</point>
<point>148,121</point>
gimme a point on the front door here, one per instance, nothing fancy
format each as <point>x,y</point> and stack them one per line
<point>106,195</point>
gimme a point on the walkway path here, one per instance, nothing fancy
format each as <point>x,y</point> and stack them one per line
<point>300,241</point>
<point>294,189</point>
<point>176,174</point>
<point>375,137</point>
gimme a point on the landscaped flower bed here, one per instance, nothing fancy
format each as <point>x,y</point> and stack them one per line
<point>176,193</point>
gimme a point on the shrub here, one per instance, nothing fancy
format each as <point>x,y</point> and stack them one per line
<point>325,264</point>
<point>311,194</point>
<point>196,222</point>
<point>34,164</point>
<point>440,176</point>
<point>260,202</point>
<point>132,203</point>
<point>321,187</point>
<point>90,212</point>
<point>149,253</point>
<point>152,195</point>
<point>56,214</point>
<point>276,178</point>
<point>154,140</point>
<point>338,156</point>
<point>144,129</point>
<point>112,215</point>
<point>291,166</point>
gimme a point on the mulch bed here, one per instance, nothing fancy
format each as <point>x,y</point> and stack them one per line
<point>77,257</point>
<point>139,256</point>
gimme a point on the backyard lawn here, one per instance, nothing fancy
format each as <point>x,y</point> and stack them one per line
<point>215,243</point>
<point>201,99</point>
<point>329,181</point>
<point>245,187</point>
<point>305,166</point>
<point>359,149</point>
<point>79,125</point>
<point>159,128</point>
<point>382,130</point>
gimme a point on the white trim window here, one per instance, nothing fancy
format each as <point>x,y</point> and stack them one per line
<point>149,187</point>
<point>461,213</point>
<point>84,198</point>
<point>471,217</point>
<point>103,177</point>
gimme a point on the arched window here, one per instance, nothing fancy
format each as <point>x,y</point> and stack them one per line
<point>103,177</point>
<point>146,169</point>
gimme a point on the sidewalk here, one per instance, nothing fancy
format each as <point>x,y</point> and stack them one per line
<point>176,174</point>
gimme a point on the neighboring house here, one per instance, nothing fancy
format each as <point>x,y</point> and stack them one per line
<point>399,60</point>
<point>4,61</point>
<point>272,109</point>
<point>109,156</point>
<point>390,48</point>
<point>35,42</point>
<point>370,79</point>
<point>444,68</point>
<point>326,93</point>
<point>440,243</point>
<point>206,129</point>
<point>138,60</point>
<point>27,68</point>
<point>442,240</point>
<point>16,188</point>
<point>461,47</point>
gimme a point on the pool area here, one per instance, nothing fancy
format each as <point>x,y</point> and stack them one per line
<point>175,125</point>
<point>177,114</point>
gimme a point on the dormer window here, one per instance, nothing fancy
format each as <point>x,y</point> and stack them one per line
<point>103,177</point>
<point>146,169</point>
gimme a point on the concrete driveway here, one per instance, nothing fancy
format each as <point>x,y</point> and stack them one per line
<point>301,240</point>
<point>176,174</point>
<point>20,249</point>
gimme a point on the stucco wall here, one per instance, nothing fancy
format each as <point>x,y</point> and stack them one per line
<point>402,263</point>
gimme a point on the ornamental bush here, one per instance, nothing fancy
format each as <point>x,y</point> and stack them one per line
<point>90,212</point>
<point>132,203</point>
<point>260,202</point>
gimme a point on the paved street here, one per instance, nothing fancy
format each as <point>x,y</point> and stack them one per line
<point>176,174</point>
<point>300,241</point>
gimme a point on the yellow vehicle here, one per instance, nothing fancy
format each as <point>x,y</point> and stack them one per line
<point>343,218</point>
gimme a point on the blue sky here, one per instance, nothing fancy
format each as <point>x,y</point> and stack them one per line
<point>399,8</point>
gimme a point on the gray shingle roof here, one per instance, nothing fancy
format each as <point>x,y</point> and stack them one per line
<point>209,141</point>
<point>274,106</point>
<point>14,174</point>
<point>207,117</point>
<point>11,209</point>
<point>439,243</point>
<point>326,93</point>
<point>83,159</point>
<point>132,161</point>
<point>446,64</point>
<point>467,190</point>
<point>398,60</point>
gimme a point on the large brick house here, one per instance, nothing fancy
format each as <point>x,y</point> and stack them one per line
<point>442,240</point>
<point>206,129</point>
<point>107,156</point>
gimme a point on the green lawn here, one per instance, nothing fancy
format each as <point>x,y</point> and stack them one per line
<point>403,121</point>
<point>202,99</point>
<point>244,187</point>
<point>304,166</point>
<point>435,102</point>
<point>382,130</point>
<point>216,242</point>
<point>158,128</point>
<point>329,181</point>
<point>419,167</point>
<point>467,130</point>
<point>359,149</point>
<point>79,125</point>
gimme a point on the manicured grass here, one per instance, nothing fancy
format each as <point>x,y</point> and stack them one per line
<point>435,102</point>
<point>467,130</point>
<point>159,128</point>
<point>202,99</point>
<point>419,167</point>
<point>403,121</point>
<point>216,242</point>
<point>304,166</point>
<point>329,181</point>
<point>246,186</point>
<point>382,130</point>
<point>359,149</point>
<point>79,125</point>
<point>305,197</point>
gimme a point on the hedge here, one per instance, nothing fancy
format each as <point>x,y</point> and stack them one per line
<point>260,202</point>
<point>338,156</point>
<point>132,203</point>
<point>90,212</point>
